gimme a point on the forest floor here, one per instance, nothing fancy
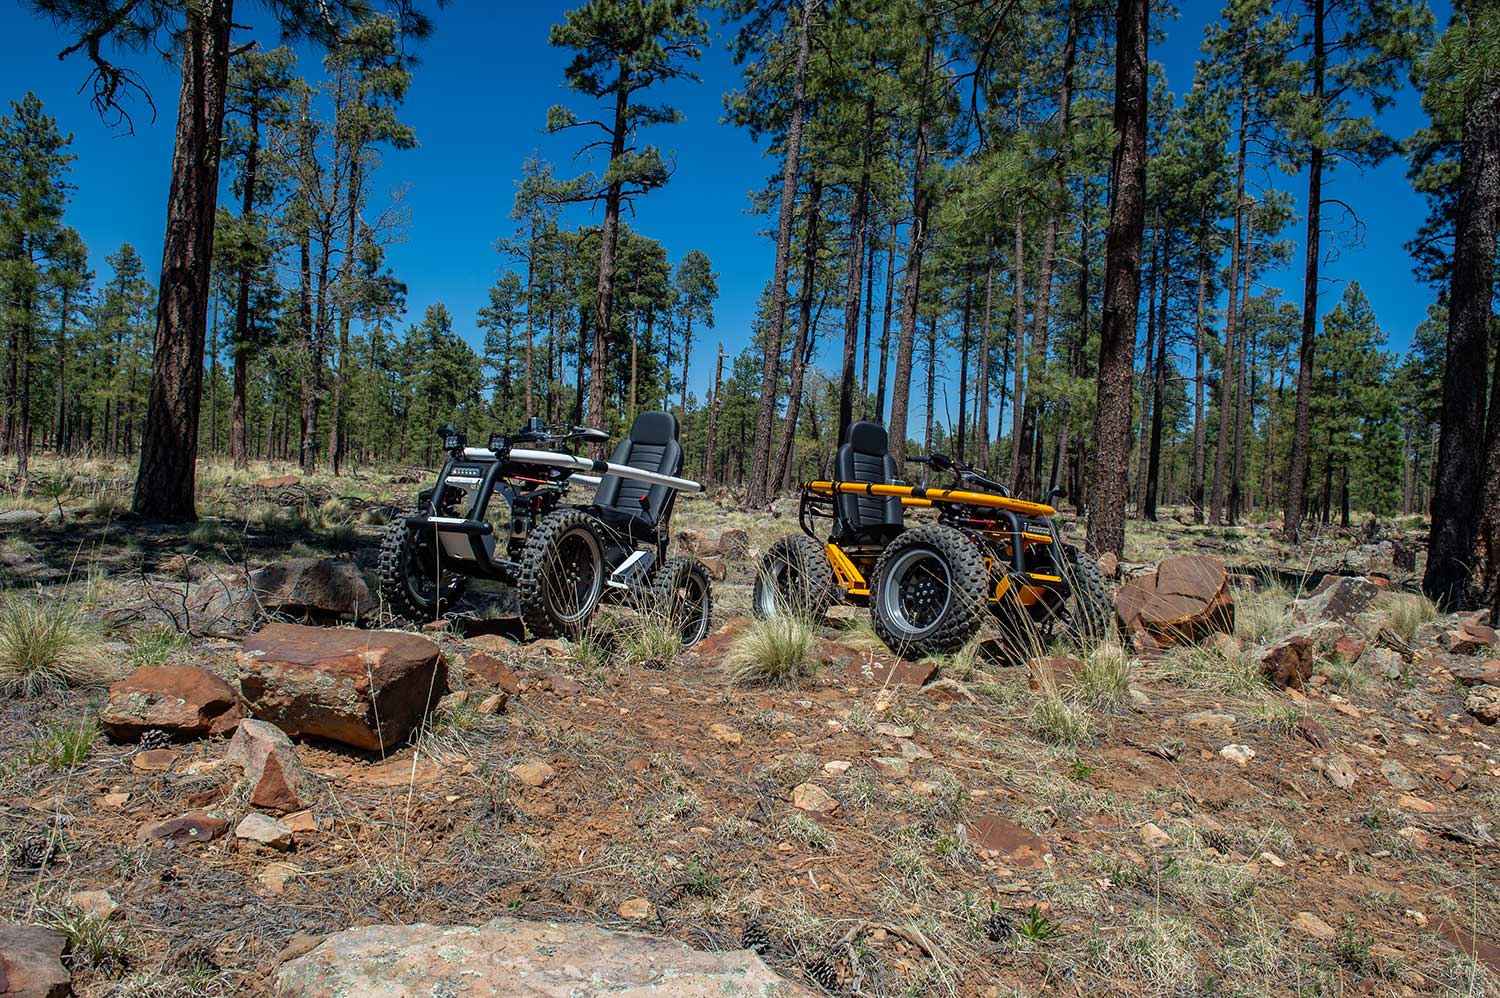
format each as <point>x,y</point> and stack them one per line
<point>970,843</point>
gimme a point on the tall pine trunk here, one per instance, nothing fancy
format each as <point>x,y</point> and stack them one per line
<point>1018,395</point>
<point>885,325</point>
<point>1462,551</point>
<point>169,446</point>
<point>1296,481</point>
<point>609,235</point>
<point>710,458</point>
<point>336,427</point>
<point>915,246</point>
<point>982,395</point>
<point>1230,377</point>
<point>1142,450</point>
<point>1247,265</point>
<point>802,344</point>
<point>856,258</point>
<point>765,415</point>
<point>239,406</point>
<point>1199,455</point>
<point>1122,283</point>
<point>1158,388</point>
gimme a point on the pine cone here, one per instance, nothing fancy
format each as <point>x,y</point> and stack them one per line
<point>754,936</point>
<point>825,974</point>
<point>997,926</point>
<point>154,738</point>
<point>33,853</point>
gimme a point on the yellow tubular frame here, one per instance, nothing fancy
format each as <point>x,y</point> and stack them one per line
<point>916,495</point>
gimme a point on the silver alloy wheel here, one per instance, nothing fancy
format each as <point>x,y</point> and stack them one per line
<point>917,590</point>
<point>578,575</point>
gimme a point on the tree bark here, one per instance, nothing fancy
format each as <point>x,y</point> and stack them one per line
<point>355,195</point>
<point>915,246</point>
<point>239,453</point>
<point>864,377</point>
<point>1142,449</point>
<point>1462,555</point>
<point>856,259</point>
<point>710,459</point>
<point>885,325</point>
<point>1199,455</point>
<point>802,344</point>
<point>982,396</point>
<point>963,365</point>
<point>776,322</point>
<point>169,447</point>
<point>1296,481</point>
<point>1018,395</point>
<point>1237,464</point>
<point>1122,283</point>
<point>1158,387</point>
<point>1230,376</point>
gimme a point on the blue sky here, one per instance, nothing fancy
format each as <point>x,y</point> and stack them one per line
<point>478,104</point>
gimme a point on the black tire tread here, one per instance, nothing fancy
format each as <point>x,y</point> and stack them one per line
<point>970,580</point>
<point>1090,597</point>
<point>392,576</point>
<point>668,576</point>
<point>531,581</point>
<point>812,564</point>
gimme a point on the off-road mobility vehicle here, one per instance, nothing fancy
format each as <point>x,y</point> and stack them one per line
<point>929,585</point>
<point>501,512</point>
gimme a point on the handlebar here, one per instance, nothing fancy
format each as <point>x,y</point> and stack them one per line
<point>963,471</point>
<point>537,432</point>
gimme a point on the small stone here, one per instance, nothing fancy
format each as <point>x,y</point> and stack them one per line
<point>1484,704</point>
<point>114,801</point>
<point>1311,925</point>
<point>837,767</point>
<point>1289,664</point>
<point>1153,836</point>
<point>893,767</point>
<point>811,797</point>
<point>637,909</point>
<point>1273,859</point>
<point>192,827</point>
<point>565,686</point>
<point>1314,733</point>
<point>1337,768</point>
<point>1350,647</point>
<point>301,822</point>
<point>1207,720</point>
<point>96,904</point>
<point>492,670</point>
<point>1397,775</point>
<point>275,876</point>
<point>154,760</point>
<point>894,730</point>
<point>724,734</point>
<point>1240,755</point>
<point>31,961</point>
<point>911,750</point>
<point>264,830</point>
<point>493,704</point>
<point>1004,839</point>
<point>1415,917</point>
<point>533,774</point>
<point>1408,802</point>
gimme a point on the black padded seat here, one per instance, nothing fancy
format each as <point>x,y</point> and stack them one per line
<point>636,507</point>
<point>865,457</point>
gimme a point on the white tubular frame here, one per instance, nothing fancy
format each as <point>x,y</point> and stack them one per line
<point>591,469</point>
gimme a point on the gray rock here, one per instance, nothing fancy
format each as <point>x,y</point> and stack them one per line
<point>264,830</point>
<point>1337,598</point>
<point>21,517</point>
<point>520,959</point>
<point>318,587</point>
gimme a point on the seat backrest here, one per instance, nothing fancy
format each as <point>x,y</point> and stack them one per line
<point>865,457</point>
<point>651,445</point>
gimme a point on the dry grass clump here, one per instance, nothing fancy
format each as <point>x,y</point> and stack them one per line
<point>44,646</point>
<point>1405,612</point>
<point>1060,722</point>
<point>1264,613</point>
<point>64,746</point>
<point>1105,676</point>
<point>651,640</point>
<point>1155,952</point>
<point>780,649</point>
<point>1214,669</point>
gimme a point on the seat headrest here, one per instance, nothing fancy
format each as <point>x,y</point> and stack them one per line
<point>654,428</point>
<point>866,437</point>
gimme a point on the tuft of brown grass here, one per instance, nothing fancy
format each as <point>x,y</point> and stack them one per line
<point>45,646</point>
<point>780,649</point>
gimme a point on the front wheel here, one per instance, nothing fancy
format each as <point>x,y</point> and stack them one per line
<point>794,577</point>
<point>928,593</point>
<point>682,593</point>
<point>1091,612</point>
<point>562,574</point>
<point>413,584</point>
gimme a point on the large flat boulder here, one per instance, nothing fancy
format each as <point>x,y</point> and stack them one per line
<point>321,588</point>
<point>31,962</point>
<point>368,689</point>
<point>520,959</point>
<point>1183,601</point>
<point>179,699</point>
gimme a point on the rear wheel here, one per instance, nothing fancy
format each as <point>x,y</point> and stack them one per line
<point>562,574</point>
<point>682,592</point>
<point>1091,612</point>
<point>928,595</point>
<point>793,577</point>
<point>413,584</point>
